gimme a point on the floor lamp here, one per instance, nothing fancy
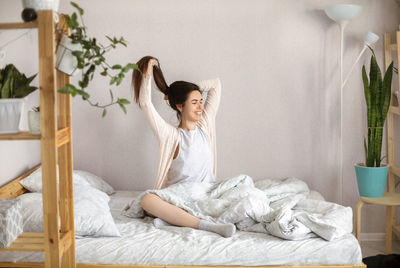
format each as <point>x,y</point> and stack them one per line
<point>342,14</point>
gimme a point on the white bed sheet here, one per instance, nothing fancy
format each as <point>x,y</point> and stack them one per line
<point>142,244</point>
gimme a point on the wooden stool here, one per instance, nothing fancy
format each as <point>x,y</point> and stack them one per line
<point>390,200</point>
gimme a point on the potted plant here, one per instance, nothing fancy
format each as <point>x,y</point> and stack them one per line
<point>34,120</point>
<point>372,175</point>
<point>14,87</point>
<point>90,57</point>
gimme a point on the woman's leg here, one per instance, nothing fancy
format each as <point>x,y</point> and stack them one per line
<point>154,205</point>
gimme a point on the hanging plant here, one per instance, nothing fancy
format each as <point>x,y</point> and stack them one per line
<point>91,59</point>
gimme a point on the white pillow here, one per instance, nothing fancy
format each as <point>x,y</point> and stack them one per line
<point>91,213</point>
<point>33,182</point>
<point>83,177</point>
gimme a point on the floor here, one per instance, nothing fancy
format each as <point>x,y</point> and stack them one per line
<point>372,248</point>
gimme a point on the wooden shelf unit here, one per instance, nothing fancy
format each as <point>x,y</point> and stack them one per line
<point>58,238</point>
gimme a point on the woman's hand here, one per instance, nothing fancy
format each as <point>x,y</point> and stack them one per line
<point>150,65</point>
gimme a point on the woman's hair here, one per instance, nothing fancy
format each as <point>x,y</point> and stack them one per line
<point>177,92</point>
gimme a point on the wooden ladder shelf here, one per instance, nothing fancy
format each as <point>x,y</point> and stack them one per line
<point>58,239</point>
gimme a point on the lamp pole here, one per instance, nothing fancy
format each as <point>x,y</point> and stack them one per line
<point>342,25</point>
<point>342,14</point>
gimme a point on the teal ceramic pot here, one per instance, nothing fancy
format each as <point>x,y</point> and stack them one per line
<point>371,180</point>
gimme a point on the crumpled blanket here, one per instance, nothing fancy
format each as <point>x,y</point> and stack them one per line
<point>276,207</point>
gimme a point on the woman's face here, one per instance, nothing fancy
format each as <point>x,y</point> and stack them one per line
<point>193,107</point>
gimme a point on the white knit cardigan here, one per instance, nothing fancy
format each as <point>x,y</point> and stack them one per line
<point>168,135</point>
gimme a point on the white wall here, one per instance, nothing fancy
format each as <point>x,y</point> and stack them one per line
<point>278,63</point>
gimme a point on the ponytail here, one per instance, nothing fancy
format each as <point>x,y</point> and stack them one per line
<point>177,92</point>
<point>137,77</point>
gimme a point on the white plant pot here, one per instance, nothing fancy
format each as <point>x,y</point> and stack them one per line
<point>34,122</point>
<point>10,115</point>
<point>65,61</point>
<point>41,4</point>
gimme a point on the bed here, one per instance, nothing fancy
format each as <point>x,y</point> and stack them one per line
<point>141,244</point>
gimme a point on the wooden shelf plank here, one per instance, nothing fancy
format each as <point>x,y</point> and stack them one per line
<point>18,25</point>
<point>14,188</point>
<point>396,230</point>
<point>389,199</point>
<point>394,109</point>
<point>23,135</point>
<point>35,242</point>
<point>27,242</point>
<point>22,264</point>
<point>63,136</point>
<point>395,171</point>
<point>66,241</point>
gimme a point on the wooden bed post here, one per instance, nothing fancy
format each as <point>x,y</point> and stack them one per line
<point>48,140</point>
<point>55,243</point>
<point>390,214</point>
<point>65,157</point>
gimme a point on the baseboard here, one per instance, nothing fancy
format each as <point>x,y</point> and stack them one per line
<point>376,237</point>
<point>372,236</point>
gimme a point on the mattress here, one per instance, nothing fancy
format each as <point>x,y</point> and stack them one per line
<point>143,244</point>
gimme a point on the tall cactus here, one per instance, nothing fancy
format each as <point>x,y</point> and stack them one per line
<point>377,97</point>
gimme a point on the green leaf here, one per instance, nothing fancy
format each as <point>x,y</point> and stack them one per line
<point>85,81</point>
<point>75,5</point>
<point>71,22</point>
<point>104,113</point>
<point>69,89</point>
<point>15,84</point>
<point>111,95</point>
<point>74,19</point>
<point>83,93</point>
<point>122,41</point>
<point>123,101</point>
<point>120,78</point>
<point>387,91</point>
<point>365,150</point>
<point>98,62</point>
<point>77,53</point>
<point>122,107</point>
<point>130,66</point>
<point>113,80</point>
<point>116,67</point>
<point>109,38</point>
<point>104,73</point>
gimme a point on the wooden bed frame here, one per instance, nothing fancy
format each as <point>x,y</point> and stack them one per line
<point>14,188</point>
<point>58,240</point>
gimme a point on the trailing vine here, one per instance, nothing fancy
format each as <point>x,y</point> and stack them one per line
<point>92,58</point>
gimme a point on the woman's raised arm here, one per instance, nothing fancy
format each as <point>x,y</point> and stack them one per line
<point>157,123</point>
<point>213,89</point>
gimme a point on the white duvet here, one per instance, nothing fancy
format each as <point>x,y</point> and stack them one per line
<point>277,207</point>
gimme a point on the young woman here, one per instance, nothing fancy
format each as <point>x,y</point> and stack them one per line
<point>187,152</point>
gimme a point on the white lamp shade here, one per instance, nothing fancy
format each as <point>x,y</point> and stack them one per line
<point>342,12</point>
<point>370,38</point>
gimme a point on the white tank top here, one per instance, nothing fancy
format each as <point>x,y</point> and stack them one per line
<point>195,158</point>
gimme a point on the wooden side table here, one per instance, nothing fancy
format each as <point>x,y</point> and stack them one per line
<point>390,200</point>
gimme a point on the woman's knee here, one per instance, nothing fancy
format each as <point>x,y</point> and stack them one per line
<point>148,200</point>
